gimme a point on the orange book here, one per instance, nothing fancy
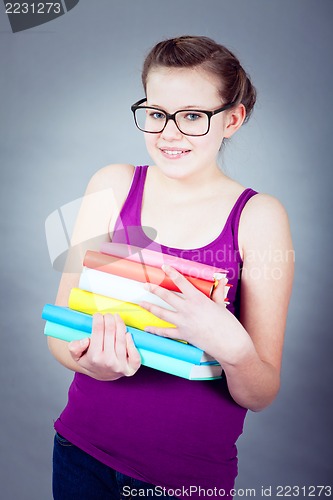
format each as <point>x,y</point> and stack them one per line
<point>140,272</point>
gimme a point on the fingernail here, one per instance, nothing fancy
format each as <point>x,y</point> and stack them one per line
<point>84,341</point>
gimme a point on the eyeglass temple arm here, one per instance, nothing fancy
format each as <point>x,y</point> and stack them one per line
<point>224,108</point>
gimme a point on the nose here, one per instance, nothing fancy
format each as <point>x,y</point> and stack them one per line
<point>171,131</point>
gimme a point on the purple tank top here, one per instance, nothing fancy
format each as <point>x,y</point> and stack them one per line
<point>156,427</point>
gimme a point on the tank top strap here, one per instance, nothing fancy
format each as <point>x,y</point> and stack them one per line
<point>130,214</point>
<point>236,212</point>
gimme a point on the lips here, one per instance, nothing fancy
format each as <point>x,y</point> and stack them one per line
<point>174,153</point>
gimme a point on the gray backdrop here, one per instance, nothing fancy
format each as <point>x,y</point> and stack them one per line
<point>66,90</point>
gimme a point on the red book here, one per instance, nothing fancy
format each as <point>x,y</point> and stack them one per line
<point>157,259</point>
<point>140,272</point>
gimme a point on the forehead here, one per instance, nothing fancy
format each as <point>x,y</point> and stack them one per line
<point>174,88</point>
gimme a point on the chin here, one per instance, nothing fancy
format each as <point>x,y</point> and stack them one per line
<point>178,169</point>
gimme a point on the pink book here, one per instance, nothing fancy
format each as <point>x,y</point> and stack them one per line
<point>157,259</point>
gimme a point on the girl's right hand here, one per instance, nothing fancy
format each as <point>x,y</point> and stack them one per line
<point>109,353</point>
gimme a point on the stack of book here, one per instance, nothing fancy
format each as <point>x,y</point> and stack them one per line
<point>113,281</point>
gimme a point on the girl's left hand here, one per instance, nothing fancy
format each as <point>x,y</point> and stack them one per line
<point>196,316</point>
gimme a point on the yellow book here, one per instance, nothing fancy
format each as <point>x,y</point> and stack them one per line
<point>132,314</point>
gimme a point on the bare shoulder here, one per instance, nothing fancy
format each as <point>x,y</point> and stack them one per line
<point>116,176</point>
<point>103,198</point>
<point>264,221</point>
<point>263,209</point>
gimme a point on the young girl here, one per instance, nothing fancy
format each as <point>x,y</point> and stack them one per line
<point>130,430</point>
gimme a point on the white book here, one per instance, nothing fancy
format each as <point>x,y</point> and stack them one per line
<point>118,287</point>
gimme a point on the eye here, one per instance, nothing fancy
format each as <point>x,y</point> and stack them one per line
<point>192,117</point>
<point>156,115</point>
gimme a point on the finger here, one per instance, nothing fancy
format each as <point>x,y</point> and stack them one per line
<point>78,347</point>
<point>171,333</point>
<point>97,333</point>
<point>120,338</point>
<point>134,358</point>
<point>160,312</point>
<point>109,333</point>
<point>219,292</point>
<point>181,282</point>
<point>172,298</point>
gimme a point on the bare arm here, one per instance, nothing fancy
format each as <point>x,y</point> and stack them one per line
<point>110,352</point>
<point>249,350</point>
<point>268,268</point>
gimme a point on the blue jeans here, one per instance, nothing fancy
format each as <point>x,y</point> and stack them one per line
<point>78,476</point>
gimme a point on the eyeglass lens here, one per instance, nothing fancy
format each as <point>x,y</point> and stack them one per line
<point>189,122</point>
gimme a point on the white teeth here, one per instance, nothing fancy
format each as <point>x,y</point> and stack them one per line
<point>172,152</point>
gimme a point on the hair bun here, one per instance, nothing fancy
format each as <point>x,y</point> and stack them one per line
<point>200,51</point>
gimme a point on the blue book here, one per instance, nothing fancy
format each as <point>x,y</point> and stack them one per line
<point>151,359</point>
<point>78,325</point>
<point>179,367</point>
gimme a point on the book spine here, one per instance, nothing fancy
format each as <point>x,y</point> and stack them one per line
<point>67,317</point>
<point>140,272</point>
<point>176,366</point>
<point>165,364</point>
<point>63,332</point>
<point>66,330</point>
<point>157,259</point>
<point>118,287</point>
<point>132,314</point>
<point>151,359</point>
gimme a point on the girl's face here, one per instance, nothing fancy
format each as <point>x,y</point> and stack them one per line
<point>176,154</point>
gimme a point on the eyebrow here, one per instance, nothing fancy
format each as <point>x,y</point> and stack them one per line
<point>191,106</point>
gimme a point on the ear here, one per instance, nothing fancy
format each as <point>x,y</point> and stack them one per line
<point>235,119</point>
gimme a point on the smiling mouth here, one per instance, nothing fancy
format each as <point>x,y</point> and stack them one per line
<point>175,152</point>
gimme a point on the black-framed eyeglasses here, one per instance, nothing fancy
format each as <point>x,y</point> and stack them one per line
<point>193,122</point>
